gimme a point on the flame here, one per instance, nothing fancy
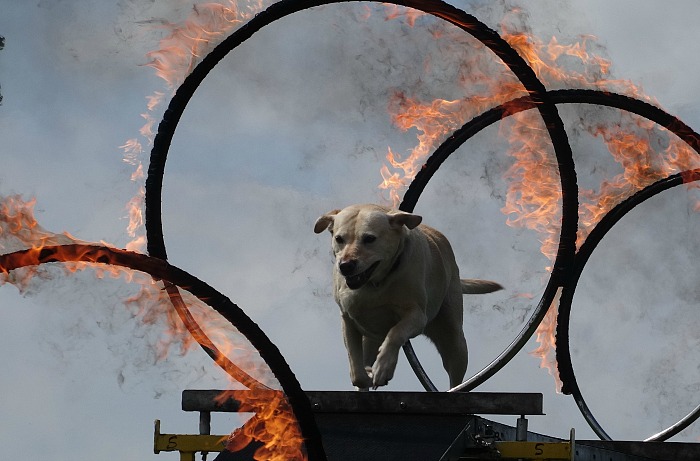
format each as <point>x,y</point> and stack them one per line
<point>533,197</point>
<point>191,322</point>
<point>531,202</point>
<point>177,55</point>
<point>410,15</point>
<point>433,122</point>
<point>19,230</point>
<point>631,145</point>
<point>272,426</point>
<point>545,336</point>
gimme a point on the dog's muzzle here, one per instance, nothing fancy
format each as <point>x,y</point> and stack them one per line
<point>356,281</point>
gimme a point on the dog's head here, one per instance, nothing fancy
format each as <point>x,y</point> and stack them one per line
<point>367,239</point>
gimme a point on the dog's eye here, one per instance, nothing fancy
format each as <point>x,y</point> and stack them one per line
<point>339,240</point>
<point>367,238</point>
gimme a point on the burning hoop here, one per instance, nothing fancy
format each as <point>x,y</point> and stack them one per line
<point>564,365</point>
<point>538,98</point>
<point>568,262</point>
<point>563,273</point>
<point>175,277</point>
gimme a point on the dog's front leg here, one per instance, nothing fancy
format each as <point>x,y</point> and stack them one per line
<point>411,324</point>
<point>353,344</point>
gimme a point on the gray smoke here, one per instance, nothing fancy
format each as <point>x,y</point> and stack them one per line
<point>290,125</point>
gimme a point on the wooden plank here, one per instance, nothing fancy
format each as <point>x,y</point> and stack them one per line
<point>442,403</point>
<point>438,403</point>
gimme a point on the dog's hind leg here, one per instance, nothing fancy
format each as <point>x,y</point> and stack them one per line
<point>452,347</point>
<point>445,331</point>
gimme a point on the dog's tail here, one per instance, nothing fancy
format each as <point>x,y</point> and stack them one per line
<point>476,286</point>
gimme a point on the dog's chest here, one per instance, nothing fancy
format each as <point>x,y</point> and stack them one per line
<point>374,322</point>
<point>372,317</point>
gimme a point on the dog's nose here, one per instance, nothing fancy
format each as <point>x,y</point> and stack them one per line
<point>347,267</point>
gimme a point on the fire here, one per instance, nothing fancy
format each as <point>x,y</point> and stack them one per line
<point>190,322</point>
<point>533,197</point>
<point>272,426</point>
<point>531,202</point>
<point>642,165</point>
<point>19,230</point>
<point>545,336</point>
<point>177,55</point>
<point>409,14</point>
<point>433,121</point>
<point>274,423</point>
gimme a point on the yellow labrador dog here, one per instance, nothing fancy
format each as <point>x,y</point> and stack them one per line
<point>395,278</point>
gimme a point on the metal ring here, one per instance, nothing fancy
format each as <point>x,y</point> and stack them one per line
<point>480,122</point>
<point>162,270</point>
<point>563,354</point>
<point>674,429</point>
<point>584,253</point>
<point>535,88</point>
<point>604,98</point>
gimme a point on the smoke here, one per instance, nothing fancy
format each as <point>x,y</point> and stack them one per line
<point>2,45</point>
<point>633,324</point>
<point>284,130</point>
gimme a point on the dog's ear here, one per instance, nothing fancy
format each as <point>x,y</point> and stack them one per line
<point>401,218</point>
<point>325,221</point>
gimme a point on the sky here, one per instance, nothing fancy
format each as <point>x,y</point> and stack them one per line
<point>292,124</point>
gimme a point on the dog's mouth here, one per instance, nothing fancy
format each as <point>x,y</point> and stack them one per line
<point>356,281</point>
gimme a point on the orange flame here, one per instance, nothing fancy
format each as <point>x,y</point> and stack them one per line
<point>177,55</point>
<point>179,52</point>
<point>274,424</point>
<point>409,14</point>
<point>19,230</point>
<point>545,336</point>
<point>533,197</point>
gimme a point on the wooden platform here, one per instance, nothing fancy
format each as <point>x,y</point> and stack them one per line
<point>380,402</point>
<point>379,425</point>
<point>431,426</point>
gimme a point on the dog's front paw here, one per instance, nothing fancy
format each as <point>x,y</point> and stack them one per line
<point>383,369</point>
<point>361,381</point>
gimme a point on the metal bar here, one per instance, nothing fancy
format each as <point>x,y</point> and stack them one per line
<point>521,429</point>
<point>204,423</point>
